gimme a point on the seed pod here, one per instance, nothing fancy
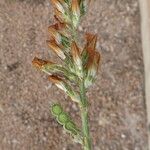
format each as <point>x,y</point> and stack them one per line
<point>63,118</point>
<point>56,109</point>
<point>71,127</point>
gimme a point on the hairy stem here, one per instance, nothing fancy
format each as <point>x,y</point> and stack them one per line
<point>84,117</point>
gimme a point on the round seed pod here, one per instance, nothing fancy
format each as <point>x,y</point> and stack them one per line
<point>56,109</point>
<point>71,127</point>
<point>63,118</point>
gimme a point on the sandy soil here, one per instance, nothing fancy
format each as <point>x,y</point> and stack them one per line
<point>117,106</point>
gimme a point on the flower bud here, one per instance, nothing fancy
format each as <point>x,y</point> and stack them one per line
<point>57,49</point>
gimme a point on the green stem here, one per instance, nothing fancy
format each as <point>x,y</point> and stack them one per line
<point>84,117</point>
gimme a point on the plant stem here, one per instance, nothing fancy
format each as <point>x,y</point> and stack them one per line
<point>84,117</point>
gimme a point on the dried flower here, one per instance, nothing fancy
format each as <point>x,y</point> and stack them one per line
<point>58,82</point>
<point>56,48</point>
<point>61,84</point>
<point>39,63</point>
<point>92,69</point>
<point>58,5</point>
<point>76,55</point>
<point>54,34</point>
<point>91,41</point>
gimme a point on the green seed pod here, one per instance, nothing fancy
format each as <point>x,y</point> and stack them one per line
<point>71,127</point>
<point>56,109</point>
<point>63,118</point>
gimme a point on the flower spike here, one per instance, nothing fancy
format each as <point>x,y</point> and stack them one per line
<point>79,68</point>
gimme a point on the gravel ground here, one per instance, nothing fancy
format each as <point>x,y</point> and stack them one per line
<point>117,106</point>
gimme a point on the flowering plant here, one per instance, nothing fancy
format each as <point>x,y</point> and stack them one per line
<point>79,67</point>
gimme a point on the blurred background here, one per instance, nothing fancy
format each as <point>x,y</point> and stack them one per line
<point>117,100</point>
